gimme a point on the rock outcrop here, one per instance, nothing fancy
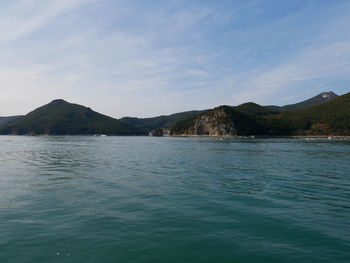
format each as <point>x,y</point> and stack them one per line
<point>216,122</point>
<point>160,132</point>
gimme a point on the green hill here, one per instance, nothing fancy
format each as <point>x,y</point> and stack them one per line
<point>164,121</point>
<point>332,117</point>
<point>62,118</point>
<point>255,109</point>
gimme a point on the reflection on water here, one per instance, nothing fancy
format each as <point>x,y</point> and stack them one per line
<point>143,199</point>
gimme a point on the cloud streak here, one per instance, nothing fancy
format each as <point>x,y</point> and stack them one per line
<point>313,65</point>
<point>145,59</point>
<point>25,19</point>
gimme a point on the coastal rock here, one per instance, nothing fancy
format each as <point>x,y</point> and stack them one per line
<point>211,123</point>
<point>160,132</point>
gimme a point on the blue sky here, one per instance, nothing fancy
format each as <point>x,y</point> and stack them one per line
<point>150,57</point>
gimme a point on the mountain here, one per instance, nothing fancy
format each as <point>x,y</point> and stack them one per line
<point>329,114</point>
<point>332,117</point>
<point>164,121</point>
<point>62,118</point>
<point>328,118</point>
<point>319,99</point>
<point>4,120</point>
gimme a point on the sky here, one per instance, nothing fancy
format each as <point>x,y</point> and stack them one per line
<point>146,58</point>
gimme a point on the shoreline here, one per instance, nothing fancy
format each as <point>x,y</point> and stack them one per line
<point>264,136</point>
<point>191,136</point>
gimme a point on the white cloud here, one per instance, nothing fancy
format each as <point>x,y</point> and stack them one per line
<point>161,63</point>
<point>324,62</point>
<point>25,19</point>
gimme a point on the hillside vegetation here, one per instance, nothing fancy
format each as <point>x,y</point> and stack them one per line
<point>329,115</point>
<point>332,117</point>
<point>62,118</point>
<point>328,118</point>
<point>164,121</point>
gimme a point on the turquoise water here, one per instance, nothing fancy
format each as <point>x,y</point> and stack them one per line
<point>144,199</point>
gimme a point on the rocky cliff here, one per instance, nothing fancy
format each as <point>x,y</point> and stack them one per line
<point>216,122</point>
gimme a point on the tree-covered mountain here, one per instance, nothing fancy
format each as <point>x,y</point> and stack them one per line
<point>62,118</point>
<point>332,117</point>
<point>316,100</point>
<point>329,118</point>
<point>164,121</point>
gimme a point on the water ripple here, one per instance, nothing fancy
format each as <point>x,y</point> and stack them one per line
<point>143,199</point>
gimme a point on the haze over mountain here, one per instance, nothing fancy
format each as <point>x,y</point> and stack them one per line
<point>62,118</point>
<point>164,121</point>
<point>4,120</point>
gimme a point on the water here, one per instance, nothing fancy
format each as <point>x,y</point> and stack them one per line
<point>143,199</point>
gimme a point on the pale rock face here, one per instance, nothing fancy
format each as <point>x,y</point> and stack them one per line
<point>160,132</point>
<point>328,95</point>
<point>212,125</point>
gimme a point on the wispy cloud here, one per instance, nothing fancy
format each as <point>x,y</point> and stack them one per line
<point>309,66</point>
<point>144,59</point>
<point>28,16</point>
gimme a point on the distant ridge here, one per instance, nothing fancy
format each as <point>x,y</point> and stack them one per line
<point>328,118</point>
<point>63,118</point>
<point>164,121</point>
<point>4,120</point>
<point>167,121</point>
<point>316,100</point>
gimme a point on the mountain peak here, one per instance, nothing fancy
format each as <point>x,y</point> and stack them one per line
<point>58,101</point>
<point>316,100</point>
<point>328,95</point>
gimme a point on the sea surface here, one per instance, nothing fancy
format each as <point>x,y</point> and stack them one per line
<point>144,199</point>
